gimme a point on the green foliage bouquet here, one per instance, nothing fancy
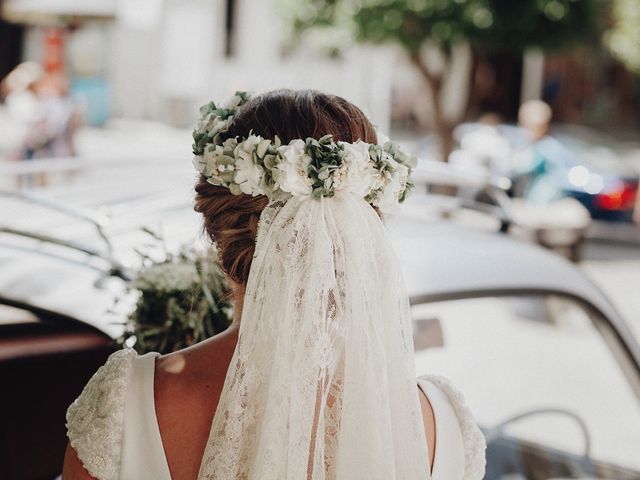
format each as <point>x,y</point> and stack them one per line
<point>182,300</point>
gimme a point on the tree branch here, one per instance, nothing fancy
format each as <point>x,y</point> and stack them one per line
<point>434,81</point>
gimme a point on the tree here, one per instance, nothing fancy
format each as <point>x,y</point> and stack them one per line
<point>419,25</point>
<point>623,39</point>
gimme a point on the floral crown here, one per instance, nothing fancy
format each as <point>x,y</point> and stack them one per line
<point>311,167</point>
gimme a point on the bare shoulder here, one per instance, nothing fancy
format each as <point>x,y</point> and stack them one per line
<point>428,418</point>
<point>201,362</point>
<point>187,388</point>
<point>193,377</point>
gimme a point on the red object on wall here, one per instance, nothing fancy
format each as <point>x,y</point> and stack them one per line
<point>53,50</point>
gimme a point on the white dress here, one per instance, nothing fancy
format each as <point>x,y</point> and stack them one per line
<point>113,426</point>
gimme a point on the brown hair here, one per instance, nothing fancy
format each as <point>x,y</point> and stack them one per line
<point>232,220</point>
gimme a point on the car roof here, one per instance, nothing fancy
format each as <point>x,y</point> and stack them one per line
<point>54,282</point>
<point>444,261</point>
<point>440,260</point>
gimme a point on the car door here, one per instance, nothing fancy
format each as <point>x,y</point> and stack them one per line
<point>45,360</point>
<point>542,379</point>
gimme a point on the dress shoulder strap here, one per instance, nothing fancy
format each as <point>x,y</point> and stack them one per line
<point>95,418</point>
<point>472,437</point>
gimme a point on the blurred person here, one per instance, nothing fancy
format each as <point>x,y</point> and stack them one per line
<point>43,115</point>
<point>62,116</point>
<point>25,109</point>
<point>484,148</point>
<point>535,117</point>
<point>536,168</point>
<point>315,378</point>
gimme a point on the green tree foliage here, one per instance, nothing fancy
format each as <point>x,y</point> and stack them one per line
<point>504,24</point>
<point>623,39</point>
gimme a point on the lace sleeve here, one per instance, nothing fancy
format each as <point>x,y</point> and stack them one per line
<point>473,439</point>
<point>94,419</point>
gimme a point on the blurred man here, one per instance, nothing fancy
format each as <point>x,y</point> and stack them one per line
<point>536,166</point>
<point>535,116</point>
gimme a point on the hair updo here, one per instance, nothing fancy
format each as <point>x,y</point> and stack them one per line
<point>231,221</point>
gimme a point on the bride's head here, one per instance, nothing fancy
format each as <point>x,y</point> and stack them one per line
<point>231,221</point>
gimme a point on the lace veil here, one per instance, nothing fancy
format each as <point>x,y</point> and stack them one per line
<point>322,384</point>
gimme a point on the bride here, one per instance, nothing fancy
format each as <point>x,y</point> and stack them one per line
<point>315,378</point>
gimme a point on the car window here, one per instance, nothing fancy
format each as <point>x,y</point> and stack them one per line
<point>539,366</point>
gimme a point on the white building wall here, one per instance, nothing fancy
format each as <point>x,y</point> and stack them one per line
<point>166,69</point>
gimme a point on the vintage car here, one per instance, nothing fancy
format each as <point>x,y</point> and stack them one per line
<point>548,366</point>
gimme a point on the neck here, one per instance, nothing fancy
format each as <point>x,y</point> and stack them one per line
<point>238,302</point>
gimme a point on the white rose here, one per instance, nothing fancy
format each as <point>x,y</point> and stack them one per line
<point>215,124</point>
<point>291,171</point>
<point>249,176</point>
<point>403,171</point>
<point>388,158</point>
<point>382,138</point>
<point>234,102</point>
<point>201,124</point>
<point>210,159</point>
<point>357,174</point>
<point>263,146</point>
<point>388,198</point>
<point>199,164</point>
<point>246,148</point>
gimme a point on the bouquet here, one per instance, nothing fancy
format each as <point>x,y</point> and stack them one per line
<point>182,300</point>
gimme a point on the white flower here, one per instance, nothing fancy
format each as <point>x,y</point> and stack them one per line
<point>216,164</point>
<point>199,164</point>
<point>249,173</point>
<point>229,144</point>
<point>249,176</point>
<point>382,139</point>
<point>357,173</point>
<point>234,102</point>
<point>246,148</point>
<point>395,185</point>
<point>291,173</point>
<point>403,174</point>
<point>262,147</point>
<point>210,159</point>
<point>390,161</point>
<point>201,124</point>
<point>212,124</point>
